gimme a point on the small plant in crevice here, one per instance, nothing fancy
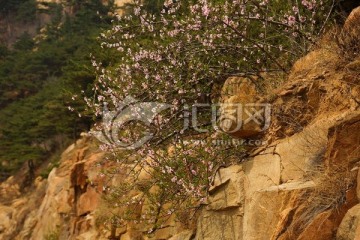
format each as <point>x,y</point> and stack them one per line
<point>54,162</point>
<point>52,235</point>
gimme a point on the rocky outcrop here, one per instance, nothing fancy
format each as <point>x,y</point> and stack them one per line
<point>68,204</point>
<point>305,178</point>
<point>63,206</point>
<point>17,215</point>
<point>281,193</point>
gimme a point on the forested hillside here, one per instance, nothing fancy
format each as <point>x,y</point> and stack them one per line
<point>42,77</point>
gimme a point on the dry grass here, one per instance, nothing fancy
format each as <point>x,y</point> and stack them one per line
<point>329,194</point>
<point>331,186</point>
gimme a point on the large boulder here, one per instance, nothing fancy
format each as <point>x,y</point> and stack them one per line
<point>241,113</point>
<point>351,26</point>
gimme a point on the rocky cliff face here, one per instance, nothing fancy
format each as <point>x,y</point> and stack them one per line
<point>303,184</point>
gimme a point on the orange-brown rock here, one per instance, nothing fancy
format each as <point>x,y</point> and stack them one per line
<point>240,100</point>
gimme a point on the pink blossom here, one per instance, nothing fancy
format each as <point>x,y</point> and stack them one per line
<point>205,10</point>
<point>291,20</point>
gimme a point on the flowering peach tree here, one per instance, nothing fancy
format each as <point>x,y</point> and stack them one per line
<point>180,55</point>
